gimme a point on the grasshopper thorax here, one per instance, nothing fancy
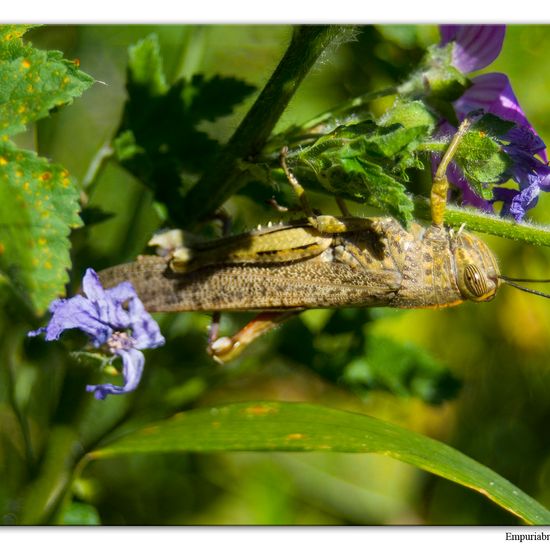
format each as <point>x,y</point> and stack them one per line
<point>477,272</point>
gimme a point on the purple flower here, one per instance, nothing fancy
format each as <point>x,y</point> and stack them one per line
<point>475,47</point>
<point>528,171</point>
<point>114,318</point>
<point>493,93</point>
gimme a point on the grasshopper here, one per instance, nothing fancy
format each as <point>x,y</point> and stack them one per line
<point>318,262</point>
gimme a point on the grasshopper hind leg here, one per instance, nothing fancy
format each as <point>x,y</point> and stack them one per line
<point>227,348</point>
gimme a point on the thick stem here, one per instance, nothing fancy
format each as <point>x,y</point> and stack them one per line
<point>490,224</point>
<point>225,177</point>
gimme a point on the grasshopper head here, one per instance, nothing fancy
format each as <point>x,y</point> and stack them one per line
<point>476,267</point>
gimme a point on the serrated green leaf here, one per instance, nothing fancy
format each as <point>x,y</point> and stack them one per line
<point>146,67</point>
<point>492,125</point>
<point>38,207</point>
<point>278,426</point>
<point>379,189</point>
<point>209,99</point>
<point>480,154</point>
<point>399,138</point>
<point>33,82</point>
<point>158,139</point>
<point>358,160</point>
<point>126,147</point>
<point>481,160</point>
<point>410,114</point>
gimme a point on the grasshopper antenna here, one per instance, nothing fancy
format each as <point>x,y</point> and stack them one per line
<point>511,281</point>
<point>521,280</point>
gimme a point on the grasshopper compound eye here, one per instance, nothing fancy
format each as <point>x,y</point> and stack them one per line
<point>475,285</point>
<point>477,273</point>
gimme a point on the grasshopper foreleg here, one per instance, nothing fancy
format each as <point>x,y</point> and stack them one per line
<point>226,348</point>
<point>440,186</point>
<point>323,223</point>
<point>343,207</point>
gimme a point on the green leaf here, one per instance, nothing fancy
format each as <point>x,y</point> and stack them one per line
<point>480,154</point>
<point>213,98</point>
<point>368,181</point>
<point>33,82</point>
<point>277,426</point>
<point>493,126</point>
<point>159,139</point>
<point>357,161</point>
<point>38,207</point>
<point>410,114</point>
<point>145,67</point>
<point>38,200</point>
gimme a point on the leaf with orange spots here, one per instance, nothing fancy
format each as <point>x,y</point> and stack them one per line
<point>300,427</point>
<point>38,207</point>
<point>32,81</point>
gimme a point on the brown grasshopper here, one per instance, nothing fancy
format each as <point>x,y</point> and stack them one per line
<point>319,262</point>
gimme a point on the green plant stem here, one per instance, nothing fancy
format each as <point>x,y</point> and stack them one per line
<point>96,167</point>
<point>225,177</point>
<point>10,343</point>
<point>490,224</point>
<point>44,495</point>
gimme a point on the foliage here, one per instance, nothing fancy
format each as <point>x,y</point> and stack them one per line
<point>194,135</point>
<point>158,139</point>
<point>38,200</point>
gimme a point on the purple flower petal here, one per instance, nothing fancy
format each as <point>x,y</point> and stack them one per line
<point>523,201</point>
<point>493,93</point>
<point>525,138</point>
<point>476,46</point>
<point>531,175</point>
<point>132,369</point>
<point>109,303</point>
<point>115,318</point>
<point>145,330</point>
<point>76,312</point>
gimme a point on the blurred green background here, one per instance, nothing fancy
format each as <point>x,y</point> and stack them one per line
<point>480,374</point>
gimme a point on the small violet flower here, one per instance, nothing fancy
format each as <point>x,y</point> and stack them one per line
<point>475,47</point>
<point>114,318</point>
